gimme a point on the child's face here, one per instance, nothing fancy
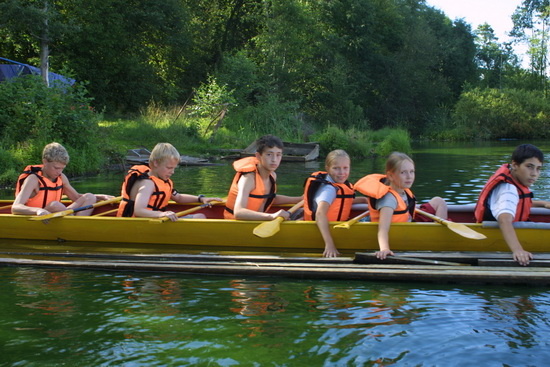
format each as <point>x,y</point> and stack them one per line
<point>270,158</point>
<point>339,171</point>
<point>528,172</point>
<point>52,170</point>
<point>403,178</point>
<point>164,169</point>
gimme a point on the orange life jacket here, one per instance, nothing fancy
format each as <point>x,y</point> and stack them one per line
<point>49,190</point>
<point>374,187</point>
<point>257,196</point>
<point>483,212</point>
<point>340,208</point>
<point>159,198</point>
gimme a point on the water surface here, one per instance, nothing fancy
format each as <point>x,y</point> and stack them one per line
<point>55,317</point>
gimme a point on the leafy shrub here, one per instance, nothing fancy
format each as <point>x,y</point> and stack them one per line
<point>507,113</point>
<point>356,143</point>
<point>32,115</point>
<point>393,140</point>
<point>270,115</point>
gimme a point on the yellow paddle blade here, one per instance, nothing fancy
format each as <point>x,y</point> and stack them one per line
<point>464,231</point>
<point>268,229</point>
<point>458,228</point>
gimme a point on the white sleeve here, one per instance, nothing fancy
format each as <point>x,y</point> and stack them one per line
<point>504,199</point>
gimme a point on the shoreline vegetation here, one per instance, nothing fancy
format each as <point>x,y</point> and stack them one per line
<point>96,142</point>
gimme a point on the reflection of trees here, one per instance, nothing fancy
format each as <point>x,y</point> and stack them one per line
<point>515,316</point>
<point>158,295</point>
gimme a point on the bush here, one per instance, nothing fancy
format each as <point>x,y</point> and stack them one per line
<point>269,116</point>
<point>391,140</point>
<point>507,113</point>
<point>356,143</point>
<point>32,115</point>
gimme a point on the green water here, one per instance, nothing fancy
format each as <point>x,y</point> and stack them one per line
<point>53,317</point>
<point>81,318</point>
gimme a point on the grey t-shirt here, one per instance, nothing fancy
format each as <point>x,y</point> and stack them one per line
<point>326,193</point>
<point>389,200</point>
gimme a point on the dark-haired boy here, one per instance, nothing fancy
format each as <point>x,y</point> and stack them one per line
<point>506,196</point>
<point>254,187</point>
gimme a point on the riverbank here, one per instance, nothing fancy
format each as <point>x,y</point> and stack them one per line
<point>109,139</point>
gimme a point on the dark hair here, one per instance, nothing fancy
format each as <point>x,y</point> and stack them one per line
<point>526,151</point>
<point>268,141</point>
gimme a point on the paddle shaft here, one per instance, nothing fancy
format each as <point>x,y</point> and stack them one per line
<point>349,223</point>
<point>431,216</point>
<point>71,211</point>
<point>458,228</point>
<point>185,212</point>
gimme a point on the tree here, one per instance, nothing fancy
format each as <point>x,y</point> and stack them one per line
<point>534,16</point>
<point>493,59</point>
<point>37,21</point>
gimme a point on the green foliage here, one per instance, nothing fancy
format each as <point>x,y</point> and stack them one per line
<point>278,65</point>
<point>270,115</point>
<point>356,143</point>
<point>10,167</point>
<point>155,124</point>
<point>391,140</point>
<point>508,113</point>
<point>32,115</point>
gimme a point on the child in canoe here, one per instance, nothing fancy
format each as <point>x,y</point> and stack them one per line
<point>391,200</point>
<point>506,197</point>
<point>329,196</point>
<point>254,187</point>
<point>147,190</point>
<point>39,188</point>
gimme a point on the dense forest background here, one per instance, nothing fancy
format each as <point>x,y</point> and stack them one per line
<point>291,67</point>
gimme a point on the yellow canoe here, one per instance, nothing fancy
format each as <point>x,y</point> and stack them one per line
<point>293,236</point>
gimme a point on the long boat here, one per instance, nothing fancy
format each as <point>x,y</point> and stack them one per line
<point>293,236</point>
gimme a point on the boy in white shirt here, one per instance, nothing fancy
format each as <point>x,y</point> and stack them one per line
<point>506,196</point>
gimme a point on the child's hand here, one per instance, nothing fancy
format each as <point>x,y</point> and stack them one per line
<point>383,254</point>
<point>282,213</point>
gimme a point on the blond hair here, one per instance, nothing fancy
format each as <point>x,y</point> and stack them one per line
<point>333,156</point>
<point>55,152</point>
<point>162,152</point>
<point>394,161</point>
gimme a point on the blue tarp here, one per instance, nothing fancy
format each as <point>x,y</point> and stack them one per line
<point>15,69</point>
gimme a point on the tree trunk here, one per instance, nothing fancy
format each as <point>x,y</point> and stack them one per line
<point>45,49</point>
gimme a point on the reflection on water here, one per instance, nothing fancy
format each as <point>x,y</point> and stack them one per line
<point>95,318</point>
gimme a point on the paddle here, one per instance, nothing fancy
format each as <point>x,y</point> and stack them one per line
<point>349,223</point>
<point>268,229</point>
<point>458,228</point>
<point>71,211</point>
<point>185,212</point>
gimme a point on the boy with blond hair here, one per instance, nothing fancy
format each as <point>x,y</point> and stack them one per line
<point>40,187</point>
<point>147,190</point>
